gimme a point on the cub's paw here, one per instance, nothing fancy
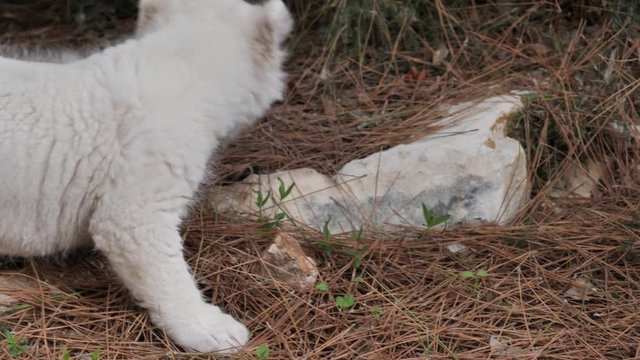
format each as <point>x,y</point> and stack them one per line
<point>208,330</point>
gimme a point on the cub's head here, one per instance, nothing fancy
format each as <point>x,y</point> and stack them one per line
<point>271,15</point>
<point>263,27</point>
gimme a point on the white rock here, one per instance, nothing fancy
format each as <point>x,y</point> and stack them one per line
<point>470,170</point>
<point>310,188</point>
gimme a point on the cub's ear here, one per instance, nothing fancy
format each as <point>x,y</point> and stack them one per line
<point>272,27</point>
<point>152,14</point>
<point>280,19</point>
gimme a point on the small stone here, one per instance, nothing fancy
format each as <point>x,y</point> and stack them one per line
<point>457,248</point>
<point>6,301</point>
<point>286,262</point>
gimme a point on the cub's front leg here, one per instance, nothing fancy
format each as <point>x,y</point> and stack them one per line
<point>144,247</point>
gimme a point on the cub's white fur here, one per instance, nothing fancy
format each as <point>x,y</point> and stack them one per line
<point>110,149</point>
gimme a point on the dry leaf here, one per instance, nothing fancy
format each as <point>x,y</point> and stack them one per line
<point>330,108</point>
<point>440,55</point>
<point>363,98</point>
<point>475,17</point>
<point>502,349</point>
<point>581,290</point>
<point>286,262</point>
<point>414,74</point>
<point>540,49</point>
<point>413,71</point>
<point>581,180</point>
<point>584,182</point>
<point>610,67</point>
<point>490,143</point>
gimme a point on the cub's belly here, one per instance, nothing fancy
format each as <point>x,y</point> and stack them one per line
<point>40,247</point>
<point>47,191</point>
<point>27,232</point>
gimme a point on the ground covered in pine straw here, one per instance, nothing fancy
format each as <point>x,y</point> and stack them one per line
<point>561,282</point>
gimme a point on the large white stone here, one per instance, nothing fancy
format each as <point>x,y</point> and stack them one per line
<point>470,170</point>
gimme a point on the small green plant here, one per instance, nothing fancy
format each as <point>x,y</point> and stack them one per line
<point>377,311</point>
<point>283,190</point>
<point>65,354</point>
<point>326,234</point>
<point>261,202</point>
<point>95,354</point>
<point>356,255</point>
<point>322,286</point>
<point>261,199</point>
<point>262,352</point>
<point>345,301</point>
<point>476,276</point>
<point>15,346</point>
<point>357,234</point>
<point>275,222</point>
<point>325,243</point>
<point>358,280</point>
<point>356,252</point>
<point>20,307</point>
<point>432,219</point>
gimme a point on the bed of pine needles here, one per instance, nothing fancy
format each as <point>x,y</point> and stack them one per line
<point>561,282</point>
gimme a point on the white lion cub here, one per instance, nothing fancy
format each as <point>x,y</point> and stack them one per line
<point>112,148</point>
